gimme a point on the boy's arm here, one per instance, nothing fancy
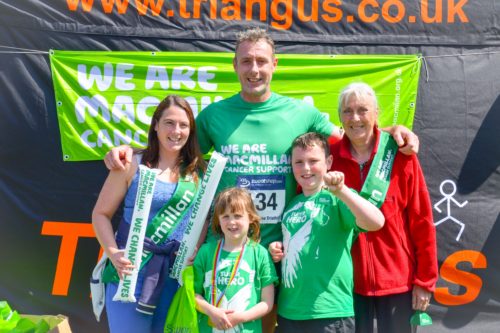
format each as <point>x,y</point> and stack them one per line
<point>276,251</point>
<point>368,217</point>
<point>258,310</point>
<point>218,317</point>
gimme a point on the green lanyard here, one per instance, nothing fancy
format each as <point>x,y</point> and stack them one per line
<point>214,299</point>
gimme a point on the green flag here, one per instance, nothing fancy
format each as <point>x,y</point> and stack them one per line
<point>105,99</point>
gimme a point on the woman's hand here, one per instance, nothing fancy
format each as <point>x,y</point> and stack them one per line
<point>421,298</point>
<point>122,265</point>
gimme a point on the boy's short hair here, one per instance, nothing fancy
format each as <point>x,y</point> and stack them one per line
<point>254,35</point>
<point>311,139</point>
<point>236,200</point>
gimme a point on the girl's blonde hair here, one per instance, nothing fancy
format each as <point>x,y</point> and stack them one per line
<point>237,200</point>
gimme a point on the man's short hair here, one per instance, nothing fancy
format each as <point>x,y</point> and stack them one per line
<point>254,35</point>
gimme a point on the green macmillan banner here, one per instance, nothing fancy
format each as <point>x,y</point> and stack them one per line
<point>105,99</point>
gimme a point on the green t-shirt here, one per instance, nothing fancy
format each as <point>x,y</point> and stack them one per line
<point>317,274</point>
<point>256,137</point>
<point>255,272</point>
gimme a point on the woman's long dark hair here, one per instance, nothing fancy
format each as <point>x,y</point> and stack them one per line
<point>190,160</point>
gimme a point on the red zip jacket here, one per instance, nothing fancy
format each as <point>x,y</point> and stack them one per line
<point>403,253</point>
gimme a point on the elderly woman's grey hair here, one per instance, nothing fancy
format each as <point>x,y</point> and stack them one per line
<point>359,90</point>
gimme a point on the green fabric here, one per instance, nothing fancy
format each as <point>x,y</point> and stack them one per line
<point>25,325</point>
<point>420,318</point>
<point>104,99</point>
<point>379,176</point>
<point>256,271</point>
<point>317,274</point>
<point>182,316</point>
<point>8,317</point>
<point>256,138</point>
<point>184,194</point>
<point>12,322</point>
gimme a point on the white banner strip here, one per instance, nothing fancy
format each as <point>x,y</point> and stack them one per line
<point>137,231</point>
<point>199,214</point>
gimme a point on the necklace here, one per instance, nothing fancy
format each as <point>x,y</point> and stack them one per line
<point>214,299</point>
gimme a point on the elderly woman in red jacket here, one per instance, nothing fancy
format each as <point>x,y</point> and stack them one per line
<point>395,268</point>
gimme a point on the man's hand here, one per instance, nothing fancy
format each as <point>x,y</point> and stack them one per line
<point>117,158</point>
<point>421,298</point>
<point>276,251</point>
<point>406,140</point>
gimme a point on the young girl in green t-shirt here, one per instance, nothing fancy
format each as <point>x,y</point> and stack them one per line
<point>234,277</point>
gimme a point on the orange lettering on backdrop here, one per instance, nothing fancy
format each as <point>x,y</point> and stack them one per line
<point>142,6</point>
<point>449,272</point>
<point>197,8</point>
<point>70,233</point>
<point>399,7</point>
<point>362,11</point>
<point>438,11</point>
<point>183,10</point>
<point>86,5</point>
<point>262,9</point>
<point>284,18</point>
<point>456,9</point>
<point>311,6</point>
<point>232,11</point>
<point>108,5</point>
<point>330,6</point>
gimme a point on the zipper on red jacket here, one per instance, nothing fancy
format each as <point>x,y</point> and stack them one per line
<point>369,245</point>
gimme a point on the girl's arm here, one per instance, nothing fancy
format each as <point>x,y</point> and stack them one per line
<point>368,217</point>
<point>218,317</point>
<point>258,310</point>
<point>112,193</point>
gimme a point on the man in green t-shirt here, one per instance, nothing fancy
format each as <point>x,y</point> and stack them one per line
<point>319,227</point>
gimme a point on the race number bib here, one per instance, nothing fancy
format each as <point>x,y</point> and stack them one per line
<point>268,194</point>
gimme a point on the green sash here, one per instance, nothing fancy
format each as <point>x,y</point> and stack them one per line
<point>378,178</point>
<point>164,222</point>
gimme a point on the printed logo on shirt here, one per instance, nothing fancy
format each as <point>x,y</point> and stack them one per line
<point>294,243</point>
<point>268,194</point>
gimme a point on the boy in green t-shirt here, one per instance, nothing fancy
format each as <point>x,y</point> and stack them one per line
<point>319,227</point>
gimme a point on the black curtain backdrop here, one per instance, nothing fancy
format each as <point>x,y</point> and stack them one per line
<point>43,198</point>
